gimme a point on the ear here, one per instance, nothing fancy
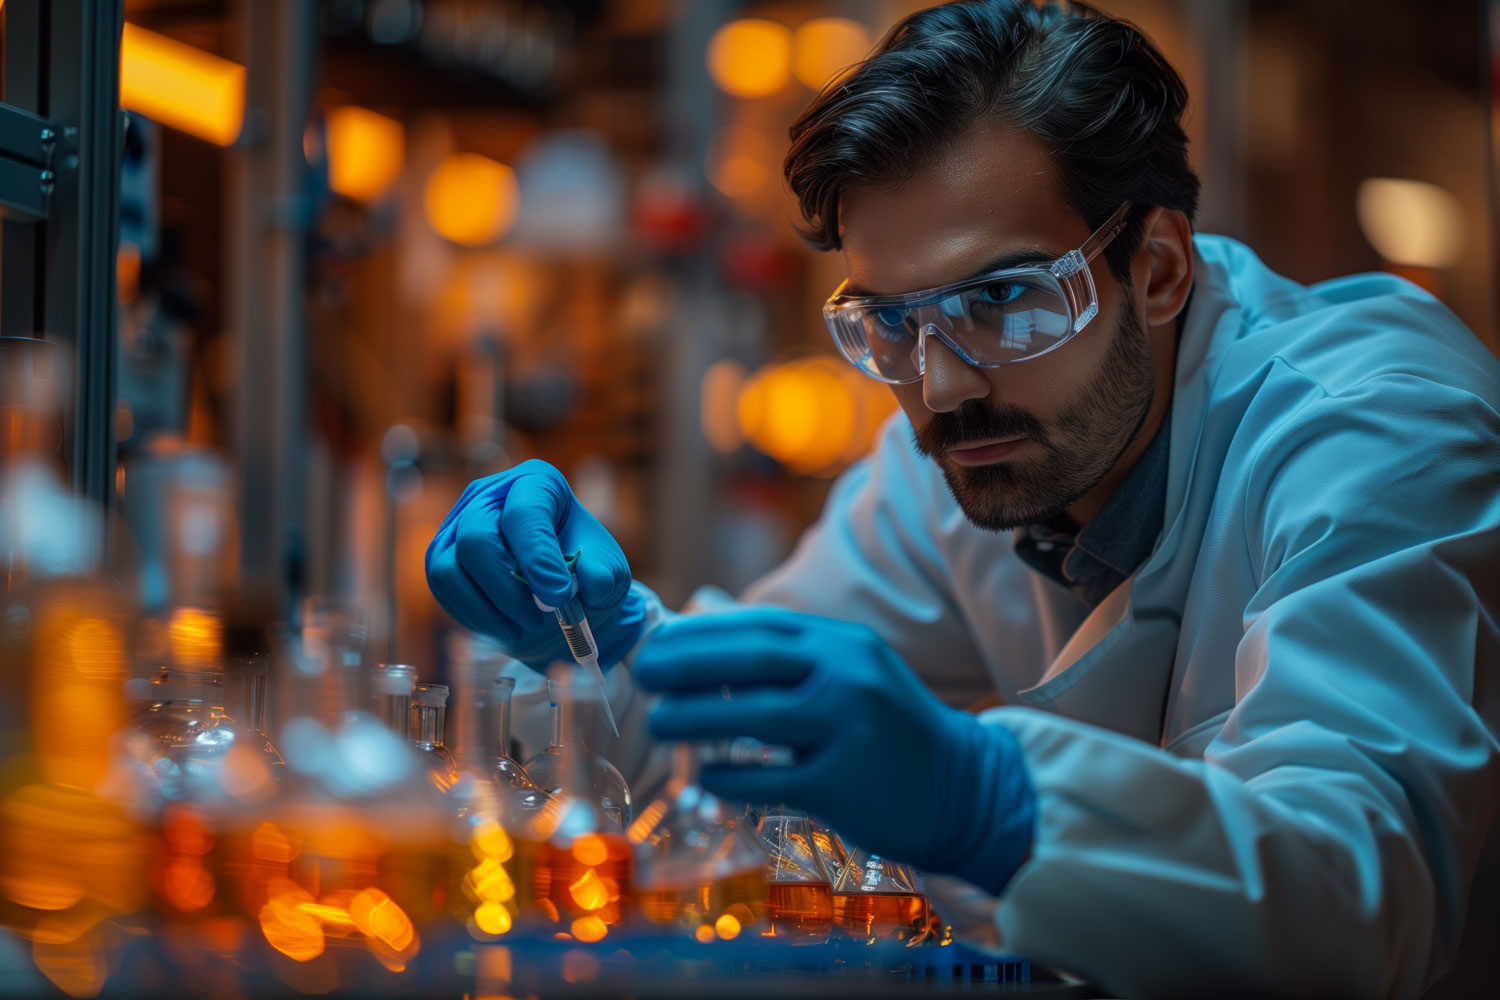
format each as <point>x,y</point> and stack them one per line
<point>1163,266</point>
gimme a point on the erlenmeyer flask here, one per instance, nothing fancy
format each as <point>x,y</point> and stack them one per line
<point>875,898</point>
<point>831,849</point>
<point>582,878</point>
<point>698,867</point>
<point>509,772</point>
<point>545,768</point>
<point>429,705</point>
<point>800,891</point>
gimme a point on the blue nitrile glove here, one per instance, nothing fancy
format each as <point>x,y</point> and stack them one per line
<point>879,758</point>
<point>525,520</point>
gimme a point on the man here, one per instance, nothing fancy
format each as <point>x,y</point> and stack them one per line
<point>1223,545</point>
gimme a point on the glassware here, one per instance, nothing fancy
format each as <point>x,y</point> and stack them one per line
<point>875,898</point>
<point>391,687</point>
<point>509,772</point>
<point>800,891</point>
<point>831,849</point>
<point>546,767</point>
<point>698,866</point>
<point>581,879</point>
<point>429,704</point>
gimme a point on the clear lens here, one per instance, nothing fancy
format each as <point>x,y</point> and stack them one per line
<point>990,324</point>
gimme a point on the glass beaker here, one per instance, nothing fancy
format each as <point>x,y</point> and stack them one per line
<point>391,686</point>
<point>876,899</point>
<point>581,880</point>
<point>429,704</point>
<point>800,891</point>
<point>546,767</point>
<point>698,866</point>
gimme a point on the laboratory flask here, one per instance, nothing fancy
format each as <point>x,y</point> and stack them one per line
<point>800,891</point>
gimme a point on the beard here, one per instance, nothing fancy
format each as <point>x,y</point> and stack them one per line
<point>1079,448</point>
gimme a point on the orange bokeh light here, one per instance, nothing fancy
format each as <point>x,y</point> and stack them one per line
<point>365,152</point>
<point>826,46</point>
<point>590,928</point>
<point>471,200</point>
<point>180,86</point>
<point>589,891</point>
<point>590,849</point>
<point>186,884</point>
<point>751,57</point>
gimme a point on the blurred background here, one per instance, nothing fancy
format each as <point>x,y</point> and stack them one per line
<point>369,250</point>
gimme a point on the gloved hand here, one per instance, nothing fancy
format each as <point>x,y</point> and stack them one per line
<point>525,520</point>
<point>879,758</point>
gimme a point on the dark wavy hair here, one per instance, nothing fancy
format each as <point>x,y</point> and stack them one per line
<point>1092,87</point>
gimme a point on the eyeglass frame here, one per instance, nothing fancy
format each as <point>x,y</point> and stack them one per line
<point>1070,267</point>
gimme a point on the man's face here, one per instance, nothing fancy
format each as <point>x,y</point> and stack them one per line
<point>1023,442</point>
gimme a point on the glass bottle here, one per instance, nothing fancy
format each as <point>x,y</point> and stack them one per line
<point>800,891</point>
<point>546,770</point>
<point>391,687</point>
<point>876,899</point>
<point>698,867</point>
<point>429,704</point>
<point>581,881</point>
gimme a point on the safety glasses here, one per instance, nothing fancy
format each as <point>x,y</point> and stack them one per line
<point>1001,318</point>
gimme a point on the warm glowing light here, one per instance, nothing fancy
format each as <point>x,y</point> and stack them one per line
<point>196,635</point>
<point>589,891</point>
<point>491,882</point>
<point>180,86</point>
<point>59,844</point>
<point>549,908</point>
<point>378,916</point>
<point>826,46</point>
<point>641,828</point>
<point>187,885</point>
<point>471,199</point>
<point>751,57</point>
<point>97,649</point>
<point>492,918</point>
<point>727,927</point>
<point>590,849</point>
<point>589,928</point>
<point>328,914</point>
<point>704,933</point>
<point>365,152</point>
<point>246,776</point>
<point>814,416</point>
<point>290,930</point>
<point>740,161</point>
<point>269,843</point>
<point>491,841</point>
<point>184,834</point>
<point>1411,222</point>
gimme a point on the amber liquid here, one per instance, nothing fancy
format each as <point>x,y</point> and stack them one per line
<point>882,915</point>
<point>564,888</point>
<point>745,897</point>
<point>801,912</point>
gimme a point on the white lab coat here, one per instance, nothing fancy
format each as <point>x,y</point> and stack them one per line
<point>1268,762</point>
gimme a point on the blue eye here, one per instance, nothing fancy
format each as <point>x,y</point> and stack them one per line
<point>891,315</point>
<point>1001,292</point>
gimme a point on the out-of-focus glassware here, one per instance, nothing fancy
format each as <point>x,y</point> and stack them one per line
<point>509,772</point>
<point>800,891</point>
<point>877,899</point>
<point>391,686</point>
<point>698,866</point>
<point>831,850</point>
<point>581,880</point>
<point>546,767</point>
<point>429,706</point>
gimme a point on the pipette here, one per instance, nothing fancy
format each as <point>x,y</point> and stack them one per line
<point>579,637</point>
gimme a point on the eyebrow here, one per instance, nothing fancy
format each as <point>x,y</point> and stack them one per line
<point>1014,258</point>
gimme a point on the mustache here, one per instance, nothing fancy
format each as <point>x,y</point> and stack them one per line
<point>974,421</point>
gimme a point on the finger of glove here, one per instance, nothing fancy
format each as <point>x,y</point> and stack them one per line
<point>482,555</point>
<point>755,783</point>
<point>534,508</point>
<point>768,715</point>
<point>463,598</point>
<point>603,573</point>
<point>674,659</point>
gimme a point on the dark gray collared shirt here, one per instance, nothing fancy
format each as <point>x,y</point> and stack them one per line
<point>1115,542</point>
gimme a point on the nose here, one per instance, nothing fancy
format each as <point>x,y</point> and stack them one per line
<point>947,380</point>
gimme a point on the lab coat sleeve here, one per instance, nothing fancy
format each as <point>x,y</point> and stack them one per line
<point>1325,844</point>
<point>875,557</point>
